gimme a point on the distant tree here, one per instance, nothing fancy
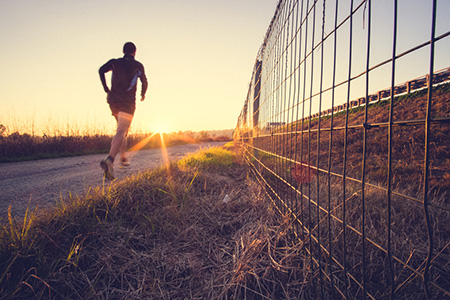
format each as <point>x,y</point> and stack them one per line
<point>189,133</point>
<point>2,130</point>
<point>204,135</point>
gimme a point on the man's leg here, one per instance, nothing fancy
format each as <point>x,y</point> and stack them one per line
<point>123,124</point>
<point>123,148</point>
<point>119,143</point>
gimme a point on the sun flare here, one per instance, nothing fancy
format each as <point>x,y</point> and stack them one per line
<point>160,127</point>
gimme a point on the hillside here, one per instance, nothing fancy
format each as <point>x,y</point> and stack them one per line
<point>299,141</point>
<point>354,220</point>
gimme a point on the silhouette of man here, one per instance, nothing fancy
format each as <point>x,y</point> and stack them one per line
<point>122,101</point>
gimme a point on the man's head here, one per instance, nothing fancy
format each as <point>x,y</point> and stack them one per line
<point>129,48</point>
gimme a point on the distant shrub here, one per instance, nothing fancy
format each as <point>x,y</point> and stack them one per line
<point>18,146</point>
<point>23,146</point>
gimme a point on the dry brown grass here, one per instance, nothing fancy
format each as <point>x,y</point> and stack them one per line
<point>165,234</point>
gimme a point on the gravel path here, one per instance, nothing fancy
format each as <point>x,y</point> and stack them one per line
<point>44,182</point>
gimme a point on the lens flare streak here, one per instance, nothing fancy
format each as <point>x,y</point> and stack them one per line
<point>133,150</point>
<point>164,153</point>
<point>136,148</point>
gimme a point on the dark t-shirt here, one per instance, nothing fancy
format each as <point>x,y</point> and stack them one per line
<point>125,72</point>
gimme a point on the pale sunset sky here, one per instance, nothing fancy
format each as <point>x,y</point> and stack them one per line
<point>198,56</point>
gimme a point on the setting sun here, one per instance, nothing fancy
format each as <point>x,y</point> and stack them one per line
<point>160,127</point>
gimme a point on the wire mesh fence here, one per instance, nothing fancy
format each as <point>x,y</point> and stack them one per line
<point>346,124</point>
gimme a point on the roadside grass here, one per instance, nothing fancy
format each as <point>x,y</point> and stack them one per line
<point>161,234</point>
<point>205,159</point>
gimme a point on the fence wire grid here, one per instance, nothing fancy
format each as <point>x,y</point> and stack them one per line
<point>346,124</point>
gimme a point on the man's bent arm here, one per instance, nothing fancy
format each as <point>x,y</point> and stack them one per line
<point>104,69</point>
<point>144,84</point>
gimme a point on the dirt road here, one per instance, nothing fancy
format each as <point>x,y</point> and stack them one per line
<point>44,182</point>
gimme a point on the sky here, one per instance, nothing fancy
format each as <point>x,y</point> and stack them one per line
<point>303,74</point>
<point>198,57</point>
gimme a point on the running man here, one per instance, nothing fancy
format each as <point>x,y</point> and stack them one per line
<point>122,101</point>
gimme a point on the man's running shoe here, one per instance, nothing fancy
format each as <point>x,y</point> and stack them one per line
<point>107,166</point>
<point>124,162</point>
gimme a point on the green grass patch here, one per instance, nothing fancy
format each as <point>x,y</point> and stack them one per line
<point>214,157</point>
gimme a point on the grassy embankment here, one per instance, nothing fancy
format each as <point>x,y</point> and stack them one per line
<point>388,209</point>
<point>170,233</point>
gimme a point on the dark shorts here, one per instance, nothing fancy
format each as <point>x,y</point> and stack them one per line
<point>117,105</point>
